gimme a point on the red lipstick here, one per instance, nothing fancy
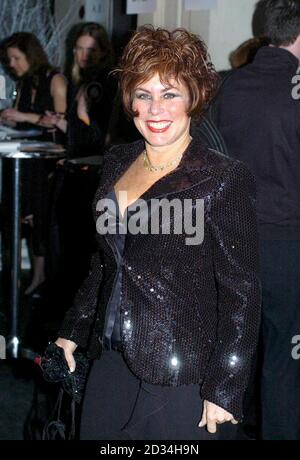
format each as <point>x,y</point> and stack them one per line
<point>160,126</point>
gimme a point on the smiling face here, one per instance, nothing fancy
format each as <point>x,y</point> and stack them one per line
<point>162,111</point>
<point>86,51</point>
<point>17,61</point>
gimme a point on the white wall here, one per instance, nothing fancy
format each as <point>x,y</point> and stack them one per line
<point>222,28</point>
<point>230,25</point>
<point>95,10</point>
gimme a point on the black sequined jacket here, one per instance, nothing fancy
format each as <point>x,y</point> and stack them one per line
<point>189,313</point>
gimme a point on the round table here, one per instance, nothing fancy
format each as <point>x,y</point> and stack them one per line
<point>17,157</point>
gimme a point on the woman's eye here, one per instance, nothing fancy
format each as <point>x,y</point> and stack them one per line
<point>143,96</point>
<point>170,96</point>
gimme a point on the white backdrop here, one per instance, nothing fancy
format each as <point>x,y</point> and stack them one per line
<point>223,28</point>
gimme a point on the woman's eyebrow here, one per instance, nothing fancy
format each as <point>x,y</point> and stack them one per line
<point>142,89</point>
<point>162,91</point>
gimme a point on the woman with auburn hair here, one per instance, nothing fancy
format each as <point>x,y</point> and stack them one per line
<point>40,88</point>
<point>172,314</point>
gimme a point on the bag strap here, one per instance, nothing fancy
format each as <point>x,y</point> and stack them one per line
<point>73,416</point>
<point>55,424</point>
<point>55,427</point>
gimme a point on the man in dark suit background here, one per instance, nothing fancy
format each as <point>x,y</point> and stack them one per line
<point>258,115</point>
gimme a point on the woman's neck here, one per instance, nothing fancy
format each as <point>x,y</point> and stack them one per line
<point>164,154</point>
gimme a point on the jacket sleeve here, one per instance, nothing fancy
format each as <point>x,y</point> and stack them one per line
<point>79,318</point>
<point>235,257</point>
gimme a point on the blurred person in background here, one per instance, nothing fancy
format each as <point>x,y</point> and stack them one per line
<point>258,116</point>
<point>90,93</point>
<point>40,88</point>
<point>245,53</point>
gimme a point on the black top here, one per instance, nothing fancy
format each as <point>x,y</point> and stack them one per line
<point>112,328</point>
<point>112,331</point>
<point>84,140</point>
<point>260,122</point>
<point>43,100</point>
<point>35,173</point>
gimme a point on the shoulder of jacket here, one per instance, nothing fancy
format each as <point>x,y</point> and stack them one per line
<point>219,160</point>
<point>226,167</point>
<point>118,151</point>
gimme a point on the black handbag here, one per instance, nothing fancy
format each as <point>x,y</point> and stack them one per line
<point>55,369</point>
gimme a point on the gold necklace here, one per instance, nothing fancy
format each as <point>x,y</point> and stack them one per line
<point>150,167</point>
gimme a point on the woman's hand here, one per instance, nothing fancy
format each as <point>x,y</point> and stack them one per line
<point>69,347</point>
<point>49,120</point>
<point>13,115</point>
<point>54,120</point>
<point>214,415</point>
<point>60,162</point>
<point>28,220</point>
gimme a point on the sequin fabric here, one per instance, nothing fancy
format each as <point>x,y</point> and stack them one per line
<point>189,314</point>
<point>55,369</point>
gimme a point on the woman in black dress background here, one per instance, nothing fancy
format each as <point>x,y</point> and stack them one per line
<point>91,93</point>
<point>40,88</point>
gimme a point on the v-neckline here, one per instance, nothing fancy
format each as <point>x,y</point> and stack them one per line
<point>191,170</point>
<point>127,207</point>
<point>146,191</point>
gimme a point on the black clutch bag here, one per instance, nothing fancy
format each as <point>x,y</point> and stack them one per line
<point>55,369</point>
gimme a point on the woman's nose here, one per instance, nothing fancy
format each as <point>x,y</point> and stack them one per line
<point>86,54</point>
<point>156,107</point>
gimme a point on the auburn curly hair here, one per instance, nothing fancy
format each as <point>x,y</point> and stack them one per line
<point>178,55</point>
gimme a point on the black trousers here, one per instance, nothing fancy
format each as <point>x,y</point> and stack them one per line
<point>280,388</point>
<point>118,406</point>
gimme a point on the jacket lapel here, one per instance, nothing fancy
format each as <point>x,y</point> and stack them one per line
<point>191,170</point>
<point>119,161</point>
